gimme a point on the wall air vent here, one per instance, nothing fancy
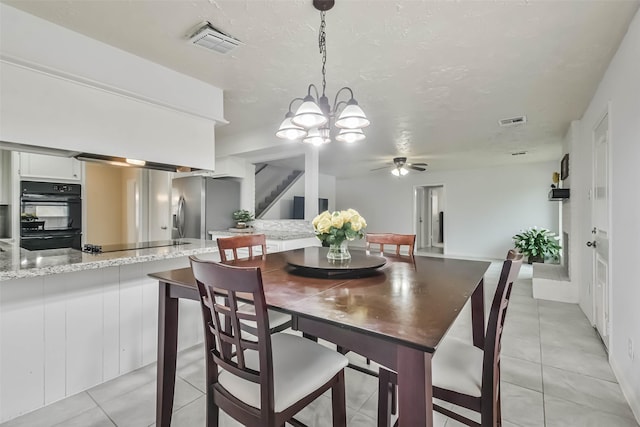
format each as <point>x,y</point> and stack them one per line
<point>207,36</point>
<point>512,121</point>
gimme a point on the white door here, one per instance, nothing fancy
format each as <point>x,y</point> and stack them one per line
<point>437,240</point>
<point>422,216</point>
<point>600,231</point>
<point>159,205</point>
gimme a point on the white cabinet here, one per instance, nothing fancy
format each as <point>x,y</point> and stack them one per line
<point>40,166</point>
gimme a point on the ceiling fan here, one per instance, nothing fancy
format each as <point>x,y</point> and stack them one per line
<point>401,167</point>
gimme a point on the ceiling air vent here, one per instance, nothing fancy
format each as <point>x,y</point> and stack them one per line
<point>513,121</point>
<point>207,36</point>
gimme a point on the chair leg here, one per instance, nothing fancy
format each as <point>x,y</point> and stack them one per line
<point>498,411</point>
<point>394,398</point>
<point>339,402</point>
<point>213,413</point>
<point>384,398</point>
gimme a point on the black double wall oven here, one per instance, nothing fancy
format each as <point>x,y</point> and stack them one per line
<point>50,215</point>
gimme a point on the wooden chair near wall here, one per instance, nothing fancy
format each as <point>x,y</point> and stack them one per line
<point>463,374</point>
<point>277,321</point>
<point>390,239</point>
<point>247,241</point>
<point>514,254</point>
<point>264,381</point>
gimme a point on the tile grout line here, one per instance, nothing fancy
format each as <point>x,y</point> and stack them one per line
<point>101,409</point>
<point>544,409</point>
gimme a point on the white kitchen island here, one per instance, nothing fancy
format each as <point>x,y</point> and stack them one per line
<point>71,320</point>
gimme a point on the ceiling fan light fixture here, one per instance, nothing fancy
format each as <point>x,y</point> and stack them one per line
<point>290,131</point>
<point>352,117</point>
<point>350,135</point>
<point>309,115</point>
<point>399,171</point>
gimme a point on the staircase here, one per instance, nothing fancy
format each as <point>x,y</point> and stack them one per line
<point>276,193</point>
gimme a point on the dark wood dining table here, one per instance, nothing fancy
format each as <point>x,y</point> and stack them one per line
<point>395,315</point>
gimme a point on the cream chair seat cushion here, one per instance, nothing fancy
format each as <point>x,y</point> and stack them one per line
<point>457,366</point>
<point>300,366</point>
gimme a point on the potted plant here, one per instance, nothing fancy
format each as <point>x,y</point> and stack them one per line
<point>242,216</point>
<point>537,243</point>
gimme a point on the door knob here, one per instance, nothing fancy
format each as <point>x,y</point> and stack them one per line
<point>591,244</point>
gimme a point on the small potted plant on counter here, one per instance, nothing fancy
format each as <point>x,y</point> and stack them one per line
<point>242,217</point>
<point>537,243</point>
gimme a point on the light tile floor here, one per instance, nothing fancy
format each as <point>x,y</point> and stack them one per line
<point>554,373</point>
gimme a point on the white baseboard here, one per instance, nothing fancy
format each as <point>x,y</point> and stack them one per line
<point>627,390</point>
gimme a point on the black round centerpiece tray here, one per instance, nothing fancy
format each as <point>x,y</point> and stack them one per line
<point>313,261</point>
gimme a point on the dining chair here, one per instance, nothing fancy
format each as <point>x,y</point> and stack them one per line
<point>277,321</point>
<point>463,374</point>
<point>390,239</point>
<point>514,254</point>
<point>265,379</point>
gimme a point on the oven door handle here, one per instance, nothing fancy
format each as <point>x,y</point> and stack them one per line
<point>58,236</point>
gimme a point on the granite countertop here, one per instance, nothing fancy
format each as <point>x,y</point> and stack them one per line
<point>270,234</point>
<point>17,263</point>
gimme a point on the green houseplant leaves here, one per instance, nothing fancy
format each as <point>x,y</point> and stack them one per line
<point>242,215</point>
<point>537,244</point>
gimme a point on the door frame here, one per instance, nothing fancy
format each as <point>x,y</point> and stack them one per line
<point>418,202</point>
<point>605,114</point>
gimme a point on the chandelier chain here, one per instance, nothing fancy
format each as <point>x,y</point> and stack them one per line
<point>322,43</point>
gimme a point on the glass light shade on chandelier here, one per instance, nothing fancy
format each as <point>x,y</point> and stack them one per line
<point>311,122</point>
<point>350,135</point>
<point>317,137</point>
<point>288,130</point>
<point>401,171</point>
<point>309,115</point>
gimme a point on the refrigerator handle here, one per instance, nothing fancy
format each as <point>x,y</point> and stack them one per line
<point>180,217</point>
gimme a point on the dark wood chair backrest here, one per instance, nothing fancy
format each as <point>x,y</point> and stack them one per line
<point>491,361</point>
<point>390,239</point>
<point>223,336</point>
<point>249,241</point>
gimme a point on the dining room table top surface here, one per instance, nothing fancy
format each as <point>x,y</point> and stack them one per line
<point>409,300</point>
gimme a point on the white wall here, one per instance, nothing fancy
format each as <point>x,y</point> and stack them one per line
<point>283,208</point>
<point>483,208</point>
<point>100,99</point>
<point>620,87</point>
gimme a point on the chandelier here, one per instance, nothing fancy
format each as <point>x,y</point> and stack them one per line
<point>312,120</point>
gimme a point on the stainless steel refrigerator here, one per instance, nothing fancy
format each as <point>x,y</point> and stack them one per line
<point>202,204</point>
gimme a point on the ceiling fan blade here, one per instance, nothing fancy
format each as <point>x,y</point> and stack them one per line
<point>418,164</point>
<point>416,168</point>
<point>380,168</point>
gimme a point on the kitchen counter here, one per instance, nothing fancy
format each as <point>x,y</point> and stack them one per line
<point>270,234</point>
<point>18,263</point>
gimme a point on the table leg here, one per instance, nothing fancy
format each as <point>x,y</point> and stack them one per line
<point>477,315</point>
<point>167,352</point>
<point>415,395</point>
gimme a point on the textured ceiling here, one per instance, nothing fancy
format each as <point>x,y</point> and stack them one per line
<point>433,77</point>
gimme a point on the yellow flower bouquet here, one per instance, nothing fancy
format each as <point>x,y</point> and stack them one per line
<point>336,228</point>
